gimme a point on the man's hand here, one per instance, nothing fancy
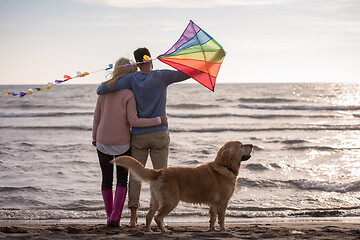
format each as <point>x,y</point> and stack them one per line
<point>163,120</point>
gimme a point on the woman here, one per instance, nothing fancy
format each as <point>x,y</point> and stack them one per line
<point>115,112</point>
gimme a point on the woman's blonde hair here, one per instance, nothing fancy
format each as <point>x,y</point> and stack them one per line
<point>120,70</point>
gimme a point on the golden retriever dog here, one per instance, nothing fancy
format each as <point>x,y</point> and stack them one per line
<point>210,184</point>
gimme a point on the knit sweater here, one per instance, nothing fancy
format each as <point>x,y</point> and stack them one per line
<point>113,115</point>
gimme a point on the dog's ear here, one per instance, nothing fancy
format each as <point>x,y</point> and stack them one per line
<point>223,154</point>
<point>229,158</point>
<point>226,154</point>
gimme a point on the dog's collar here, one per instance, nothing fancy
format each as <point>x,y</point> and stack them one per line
<point>230,169</point>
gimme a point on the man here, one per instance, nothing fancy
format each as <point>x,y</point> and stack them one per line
<point>149,87</point>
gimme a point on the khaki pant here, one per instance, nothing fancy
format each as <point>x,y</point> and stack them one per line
<point>157,144</point>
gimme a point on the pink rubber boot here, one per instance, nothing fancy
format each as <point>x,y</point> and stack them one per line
<point>119,200</point>
<point>108,201</point>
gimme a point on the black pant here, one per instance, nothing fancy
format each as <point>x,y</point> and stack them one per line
<point>107,170</point>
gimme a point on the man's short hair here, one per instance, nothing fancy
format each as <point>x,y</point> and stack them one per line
<point>139,54</point>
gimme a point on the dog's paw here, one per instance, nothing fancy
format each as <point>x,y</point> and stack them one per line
<point>166,231</point>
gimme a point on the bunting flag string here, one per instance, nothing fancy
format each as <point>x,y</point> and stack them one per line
<point>78,75</point>
<point>56,82</point>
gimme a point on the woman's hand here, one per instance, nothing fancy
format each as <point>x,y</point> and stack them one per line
<point>163,120</point>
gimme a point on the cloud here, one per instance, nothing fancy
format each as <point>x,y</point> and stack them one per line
<point>182,3</point>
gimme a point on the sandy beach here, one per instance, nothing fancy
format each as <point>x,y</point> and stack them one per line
<point>273,230</point>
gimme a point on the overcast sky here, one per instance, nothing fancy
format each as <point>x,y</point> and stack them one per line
<point>265,40</point>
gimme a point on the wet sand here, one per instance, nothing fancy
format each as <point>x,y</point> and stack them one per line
<point>273,230</point>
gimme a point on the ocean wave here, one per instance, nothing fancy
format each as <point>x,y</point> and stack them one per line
<point>19,189</point>
<point>26,144</point>
<point>219,115</point>
<point>80,128</point>
<point>275,165</point>
<point>302,184</point>
<point>257,148</point>
<point>21,200</point>
<point>191,162</point>
<point>82,205</point>
<point>295,141</point>
<point>318,148</point>
<point>318,213</point>
<point>256,167</point>
<point>192,106</point>
<point>259,209</point>
<point>255,116</point>
<point>272,129</point>
<point>47,114</point>
<point>266,100</point>
<point>76,162</point>
<point>328,186</point>
<point>41,214</point>
<point>271,212</point>
<point>47,106</point>
<point>290,212</point>
<point>301,107</point>
<point>245,182</point>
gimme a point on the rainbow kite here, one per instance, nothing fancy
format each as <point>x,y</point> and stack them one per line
<point>197,54</point>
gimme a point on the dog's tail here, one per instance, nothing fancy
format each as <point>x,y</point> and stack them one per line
<point>142,173</point>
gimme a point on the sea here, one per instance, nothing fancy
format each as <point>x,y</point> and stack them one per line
<point>305,163</point>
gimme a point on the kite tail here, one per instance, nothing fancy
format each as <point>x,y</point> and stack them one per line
<point>142,173</point>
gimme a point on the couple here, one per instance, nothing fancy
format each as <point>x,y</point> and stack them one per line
<point>114,113</point>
